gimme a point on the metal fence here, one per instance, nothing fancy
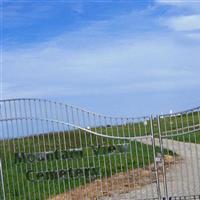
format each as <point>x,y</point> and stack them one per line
<point>50,150</point>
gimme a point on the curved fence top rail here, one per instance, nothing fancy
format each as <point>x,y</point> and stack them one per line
<point>81,128</point>
<point>98,114</point>
<point>72,106</point>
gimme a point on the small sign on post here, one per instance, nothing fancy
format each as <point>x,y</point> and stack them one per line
<point>159,159</point>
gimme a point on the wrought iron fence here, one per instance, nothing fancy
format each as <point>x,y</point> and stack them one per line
<point>50,150</point>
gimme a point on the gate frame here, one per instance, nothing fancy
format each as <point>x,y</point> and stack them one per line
<point>162,159</point>
<point>154,158</point>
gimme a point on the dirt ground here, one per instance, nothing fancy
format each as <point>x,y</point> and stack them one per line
<point>119,183</point>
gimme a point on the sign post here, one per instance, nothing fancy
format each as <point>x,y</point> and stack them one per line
<point>2,183</point>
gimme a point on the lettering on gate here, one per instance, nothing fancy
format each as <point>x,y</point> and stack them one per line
<point>91,173</point>
<point>67,154</point>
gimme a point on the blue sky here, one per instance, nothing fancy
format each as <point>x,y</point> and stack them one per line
<point>114,57</point>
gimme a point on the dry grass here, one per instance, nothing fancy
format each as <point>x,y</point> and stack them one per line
<point>119,183</point>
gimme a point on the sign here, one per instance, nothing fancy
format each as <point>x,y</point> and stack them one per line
<point>67,154</point>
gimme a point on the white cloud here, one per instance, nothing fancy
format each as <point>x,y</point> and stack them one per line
<point>189,7</point>
<point>184,23</point>
<point>181,3</point>
<point>129,65</point>
<point>170,2</point>
<point>93,61</point>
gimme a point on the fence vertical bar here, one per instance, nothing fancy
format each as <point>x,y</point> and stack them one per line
<point>163,161</point>
<point>2,182</point>
<point>154,157</point>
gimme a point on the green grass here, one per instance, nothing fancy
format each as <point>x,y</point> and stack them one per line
<point>192,137</point>
<point>177,125</point>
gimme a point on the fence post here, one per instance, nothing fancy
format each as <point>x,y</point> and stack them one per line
<point>1,174</point>
<point>163,161</point>
<point>154,157</point>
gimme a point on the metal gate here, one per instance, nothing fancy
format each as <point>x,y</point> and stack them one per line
<point>50,150</point>
<point>180,132</point>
